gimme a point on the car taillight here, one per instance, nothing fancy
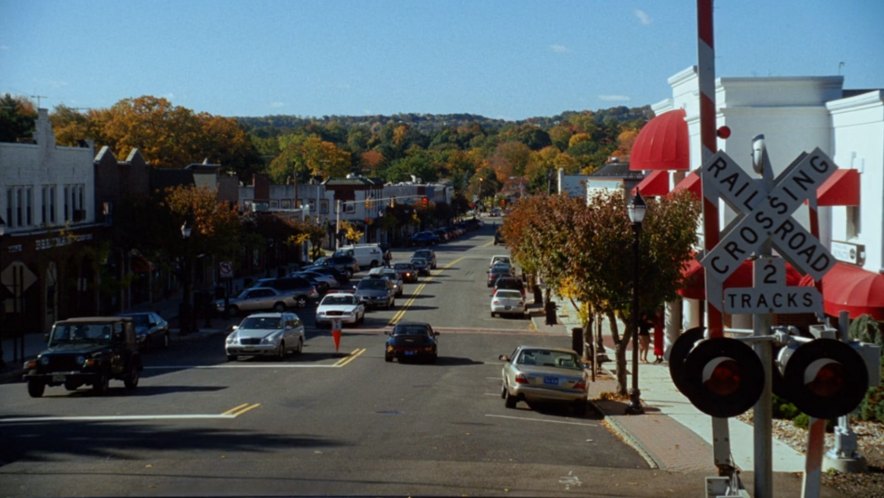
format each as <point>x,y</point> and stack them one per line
<point>30,364</point>
<point>580,385</point>
<point>521,379</point>
<point>495,302</point>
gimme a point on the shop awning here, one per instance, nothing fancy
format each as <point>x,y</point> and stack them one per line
<point>852,289</point>
<point>695,278</point>
<point>692,183</point>
<point>656,183</point>
<point>662,144</point>
<point>840,189</point>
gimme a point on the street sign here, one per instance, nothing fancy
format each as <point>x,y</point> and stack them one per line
<point>769,216</point>
<point>770,293</point>
<point>225,269</point>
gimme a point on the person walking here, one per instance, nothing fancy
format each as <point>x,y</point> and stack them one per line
<point>644,338</point>
<point>658,336</point>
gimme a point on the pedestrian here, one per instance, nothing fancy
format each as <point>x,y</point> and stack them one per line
<point>387,257</point>
<point>644,338</point>
<point>658,336</point>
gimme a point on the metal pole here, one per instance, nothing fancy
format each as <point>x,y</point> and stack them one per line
<point>635,404</point>
<point>337,223</point>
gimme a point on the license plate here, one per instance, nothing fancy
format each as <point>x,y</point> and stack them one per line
<point>410,353</point>
<point>551,381</point>
<point>508,307</point>
<point>58,378</point>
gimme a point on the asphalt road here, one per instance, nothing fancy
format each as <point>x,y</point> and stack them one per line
<point>327,422</point>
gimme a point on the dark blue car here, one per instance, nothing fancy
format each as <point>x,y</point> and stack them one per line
<point>424,239</point>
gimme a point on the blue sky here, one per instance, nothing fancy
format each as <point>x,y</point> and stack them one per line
<point>508,59</point>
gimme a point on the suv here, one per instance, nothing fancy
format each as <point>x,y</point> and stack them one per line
<point>427,254</point>
<point>86,351</point>
<point>376,293</point>
<point>344,264</point>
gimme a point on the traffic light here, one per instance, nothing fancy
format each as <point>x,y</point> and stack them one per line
<point>824,378</point>
<point>425,202</point>
<point>722,377</point>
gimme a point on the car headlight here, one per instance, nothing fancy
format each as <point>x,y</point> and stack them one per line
<point>232,339</point>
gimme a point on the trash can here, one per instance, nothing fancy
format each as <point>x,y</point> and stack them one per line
<point>577,340</point>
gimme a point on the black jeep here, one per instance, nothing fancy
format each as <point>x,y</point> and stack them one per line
<point>86,350</point>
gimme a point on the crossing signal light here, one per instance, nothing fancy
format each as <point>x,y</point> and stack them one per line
<point>722,377</point>
<point>825,378</point>
<point>425,202</point>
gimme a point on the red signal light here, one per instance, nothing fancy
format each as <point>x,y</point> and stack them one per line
<point>721,376</point>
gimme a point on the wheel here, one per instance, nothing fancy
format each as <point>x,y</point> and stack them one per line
<point>509,400</point>
<point>434,358</point>
<point>300,345</point>
<point>503,392</point>
<point>280,352</point>
<point>492,314</point>
<point>301,301</point>
<point>71,385</point>
<point>393,303</point>
<point>101,384</point>
<point>166,341</point>
<point>36,388</point>
<point>131,381</point>
<point>388,358</point>
<point>279,307</point>
<point>231,357</point>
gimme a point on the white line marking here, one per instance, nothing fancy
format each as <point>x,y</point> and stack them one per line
<point>541,420</point>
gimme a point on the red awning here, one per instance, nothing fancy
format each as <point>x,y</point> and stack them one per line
<point>656,183</point>
<point>662,143</point>
<point>840,189</point>
<point>692,183</point>
<point>852,289</point>
<point>695,278</point>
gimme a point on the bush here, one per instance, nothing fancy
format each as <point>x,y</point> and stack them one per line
<point>872,406</point>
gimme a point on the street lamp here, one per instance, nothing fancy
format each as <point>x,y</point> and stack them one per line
<point>636,211</point>
<point>186,310</point>
<point>2,301</point>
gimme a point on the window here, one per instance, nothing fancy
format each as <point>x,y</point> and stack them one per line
<point>854,225</point>
<point>67,203</point>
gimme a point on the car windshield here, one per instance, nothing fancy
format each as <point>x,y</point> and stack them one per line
<point>548,358</point>
<point>80,333</point>
<point>403,266</point>
<point>509,294</point>
<point>338,300</point>
<point>418,262</point>
<point>411,329</point>
<point>372,283</point>
<point>261,322</point>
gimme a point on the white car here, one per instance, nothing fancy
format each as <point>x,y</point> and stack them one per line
<point>542,374</point>
<point>507,302</point>
<point>266,334</point>
<point>390,274</point>
<point>341,306</point>
<point>500,258</point>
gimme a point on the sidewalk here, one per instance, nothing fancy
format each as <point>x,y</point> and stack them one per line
<point>672,434</point>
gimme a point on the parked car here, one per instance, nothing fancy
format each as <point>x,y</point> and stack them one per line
<point>498,237</point>
<point>391,275</point>
<point>507,302</point>
<point>303,289</point>
<point>500,258</point>
<point>321,281</point>
<point>340,277</point>
<point>497,271</point>
<point>509,283</point>
<point>344,264</point>
<point>259,299</point>
<point>412,341</point>
<point>366,255</point>
<point>428,254</point>
<point>341,306</point>
<point>86,351</point>
<point>266,334</point>
<point>407,271</point>
<point>424,239</point>
<point>151,330</point>
<point>541,374</point>
<point>421,266</point>
<point>376,293</point>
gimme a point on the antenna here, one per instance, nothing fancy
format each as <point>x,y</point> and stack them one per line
<point>38,97</point>
<point>840,67</point>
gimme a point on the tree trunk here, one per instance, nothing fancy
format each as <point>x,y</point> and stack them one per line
<point>622,385</point>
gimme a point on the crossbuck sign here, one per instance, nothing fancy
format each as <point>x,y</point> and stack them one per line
<point>765,208</point>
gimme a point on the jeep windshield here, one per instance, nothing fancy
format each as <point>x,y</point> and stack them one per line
<point>80,333</point>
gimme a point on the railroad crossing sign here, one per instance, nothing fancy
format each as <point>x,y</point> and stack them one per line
<point>769,292</point>
<point>765,208</point>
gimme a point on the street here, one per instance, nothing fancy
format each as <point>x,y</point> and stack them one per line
<point>324,422</point>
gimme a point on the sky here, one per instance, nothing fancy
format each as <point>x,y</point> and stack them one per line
<point>506,59</point>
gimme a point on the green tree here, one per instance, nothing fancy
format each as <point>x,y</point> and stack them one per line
<point>17,117</point>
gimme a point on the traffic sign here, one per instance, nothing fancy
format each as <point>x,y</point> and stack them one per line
<point>225,269</point>
<point>768,216</point>
<point>770,292</point>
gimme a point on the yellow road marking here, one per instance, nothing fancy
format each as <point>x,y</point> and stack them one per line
<point>238,410</point>
<point>420,288</point>
<point>350,357</point>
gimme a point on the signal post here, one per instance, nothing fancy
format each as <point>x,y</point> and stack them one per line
<point>723,376</point>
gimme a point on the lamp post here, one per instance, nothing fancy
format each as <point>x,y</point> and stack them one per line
<point>186,313</point>
<point>636,211</point>
<point>3,301</point>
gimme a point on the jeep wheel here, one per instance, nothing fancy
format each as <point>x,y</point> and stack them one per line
<point>101,384</point>
<point>36,388</point>
<point>131,380</point>
<point>71,385</point>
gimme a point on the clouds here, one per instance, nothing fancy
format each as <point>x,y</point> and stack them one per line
<point>643,17</point>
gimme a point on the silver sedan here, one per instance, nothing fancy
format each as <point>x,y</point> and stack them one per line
<point>542,374</point>
<point>266,334</point>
